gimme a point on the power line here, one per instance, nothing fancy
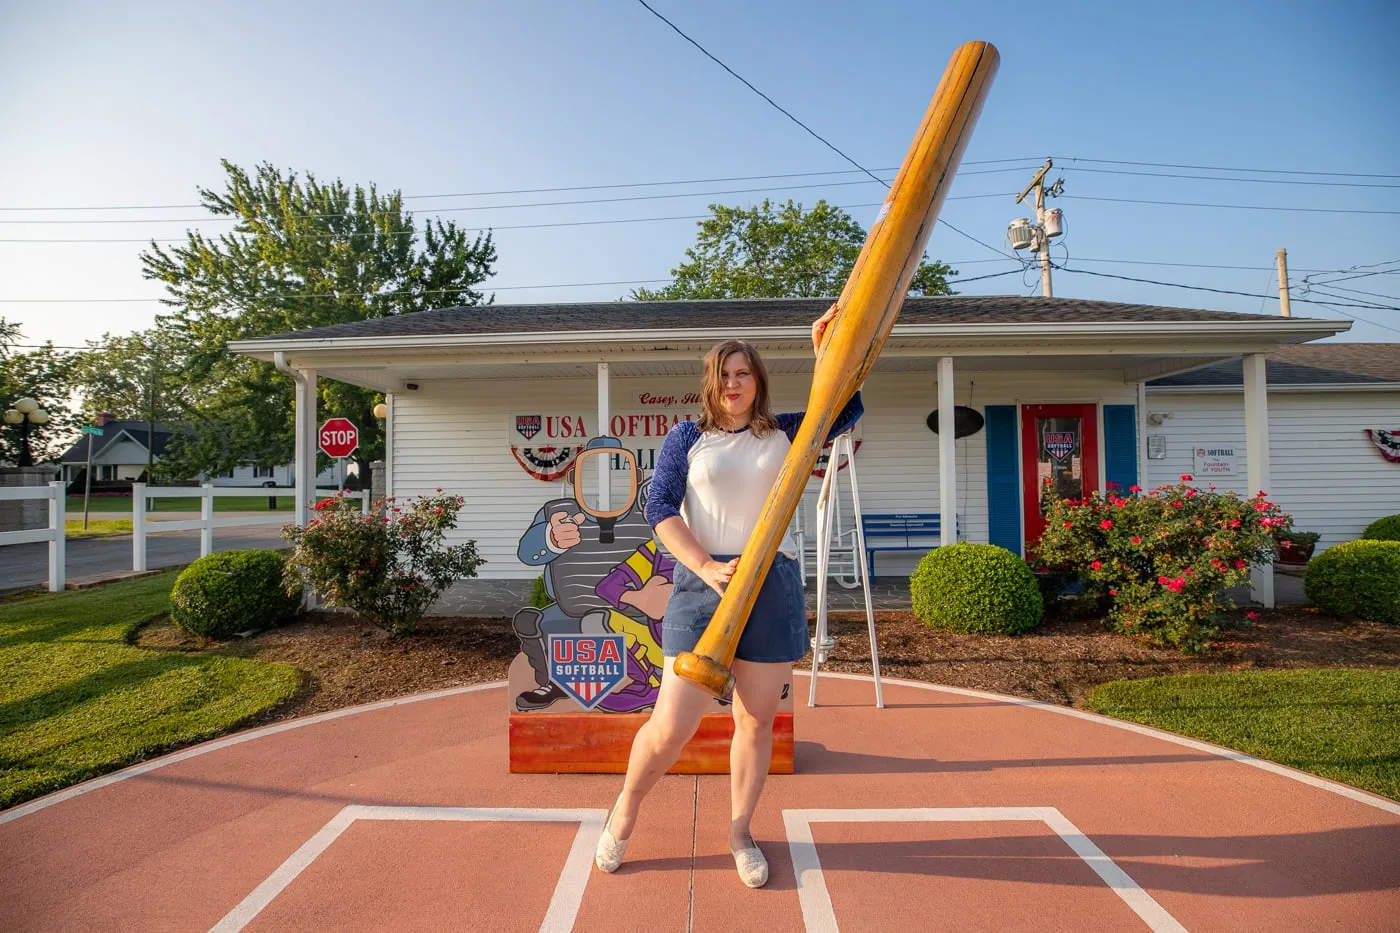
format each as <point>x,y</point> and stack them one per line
<point>1236,207</point>
<point>1255,181</point>
<point>1358,317</point>
<point>493,207</point>
<point>554,190</point>
<point>1221,168</point>
<point>811,131</point>
<point>1218,291</point>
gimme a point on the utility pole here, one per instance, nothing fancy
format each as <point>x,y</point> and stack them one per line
<point>1283,283</point>
<point>1043,229</point>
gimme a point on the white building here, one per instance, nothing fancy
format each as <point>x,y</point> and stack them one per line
<point>1327,403</point>
<point>483,400</point>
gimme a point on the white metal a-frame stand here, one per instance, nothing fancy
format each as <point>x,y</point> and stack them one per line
<point>822,643</point>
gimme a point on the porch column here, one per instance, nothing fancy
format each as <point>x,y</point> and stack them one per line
<point>1256,446</point>
<point>305,469</point>
<point>947,453</point>
<point>1142,435</point>
<point>604,416</point>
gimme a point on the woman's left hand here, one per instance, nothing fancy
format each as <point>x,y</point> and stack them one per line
<point>819,327</point>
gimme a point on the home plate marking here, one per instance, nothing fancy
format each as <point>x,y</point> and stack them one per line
<point>817,912</point>
<point>563,905</point>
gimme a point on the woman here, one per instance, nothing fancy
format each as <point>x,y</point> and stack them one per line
<point>711,481</point>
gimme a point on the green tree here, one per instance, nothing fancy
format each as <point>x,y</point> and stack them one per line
<point>42,374</point>
<point>770,251</point>
<point>136,377</point>
<point>303,254</point>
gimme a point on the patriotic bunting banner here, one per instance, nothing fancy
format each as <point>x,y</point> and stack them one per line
<point>1387,442</point>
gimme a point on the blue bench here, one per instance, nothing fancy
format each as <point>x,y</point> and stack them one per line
<point>900,531</point>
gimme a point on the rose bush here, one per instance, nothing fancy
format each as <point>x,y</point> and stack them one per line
<point>389,565</point>
<point>1164,557</point>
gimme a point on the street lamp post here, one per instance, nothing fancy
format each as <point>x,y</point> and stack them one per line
<point>25,413</point>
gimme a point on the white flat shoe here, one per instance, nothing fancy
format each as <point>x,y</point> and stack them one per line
<point>610,849</point>
<point>753,867</point>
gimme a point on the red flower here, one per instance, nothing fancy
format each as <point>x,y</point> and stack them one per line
<point>1177,505</point>
<point>439,489</point>
<point>1106,524</point>
<point>1240,565</point>
<point>1191,492</point>
<point>1135,539</point>
<point>1097,565</point>
<point>1069,524</point>
<point>1186,477</point>
<point>1112,592</point>
<point>1164,580</point>
<point>1251,615</point>
<point>1285,544</point>
<point>1235,523</point>
<point>1134,489</point>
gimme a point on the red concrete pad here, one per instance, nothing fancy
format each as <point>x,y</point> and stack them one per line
<point>403,815</point>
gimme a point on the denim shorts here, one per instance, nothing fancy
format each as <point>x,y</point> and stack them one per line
<point>776,632</point>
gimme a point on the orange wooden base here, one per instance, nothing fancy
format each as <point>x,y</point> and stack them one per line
<point>599,743</point>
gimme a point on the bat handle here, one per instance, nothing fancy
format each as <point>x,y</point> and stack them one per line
<point>706,673</point>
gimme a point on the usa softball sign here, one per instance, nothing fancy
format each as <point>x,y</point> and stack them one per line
<point>587,667</point>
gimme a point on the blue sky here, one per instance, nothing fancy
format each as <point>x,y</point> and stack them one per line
<point>111,106</point>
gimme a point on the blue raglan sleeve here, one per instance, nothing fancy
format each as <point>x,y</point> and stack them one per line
<point>846,419</point>
<point>667,490</point>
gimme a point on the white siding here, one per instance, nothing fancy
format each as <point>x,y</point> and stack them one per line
<point>454,435</point>
<point>1325,470</point>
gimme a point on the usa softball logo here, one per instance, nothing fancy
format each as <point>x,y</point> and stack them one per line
<point>1059,443</point>
<point>586,667</point>
<point>528,425</point>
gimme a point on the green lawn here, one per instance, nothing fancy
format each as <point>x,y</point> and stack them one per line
<point>177,504</point>
<point>76,700</point>
<point>1339,724</point>
<point>98,527</point>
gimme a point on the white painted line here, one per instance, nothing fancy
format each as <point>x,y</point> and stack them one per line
<point>819,916</point>
<point>145,767</point>
<point>1303,777</point>
<point>563,904</point>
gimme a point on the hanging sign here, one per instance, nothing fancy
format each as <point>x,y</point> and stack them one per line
<point>1216,461</point>
<point>1060,444</point>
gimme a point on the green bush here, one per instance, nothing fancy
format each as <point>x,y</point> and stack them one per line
<point>539,596</point>
<point>1383,529</point>
<point>1358,579</point>
<point>1164,557</point>
<point>233,591</point>
<point>978,588</point>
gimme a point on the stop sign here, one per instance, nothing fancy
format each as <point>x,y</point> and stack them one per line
<point>338,437</point>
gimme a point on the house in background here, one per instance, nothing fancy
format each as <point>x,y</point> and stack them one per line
<point>121,454</point>
<point>1334,412</point>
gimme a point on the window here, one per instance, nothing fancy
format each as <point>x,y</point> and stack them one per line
<point>109,471</point>
<point>226,474</point>
<point>262,472</point>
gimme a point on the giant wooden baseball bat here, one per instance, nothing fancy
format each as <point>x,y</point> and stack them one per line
<point>866,312</point>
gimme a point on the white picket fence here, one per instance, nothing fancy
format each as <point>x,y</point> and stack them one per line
<point>55,534</point>
<point>141,524</point>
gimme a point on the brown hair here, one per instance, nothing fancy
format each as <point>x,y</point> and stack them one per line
<point>712,418</point>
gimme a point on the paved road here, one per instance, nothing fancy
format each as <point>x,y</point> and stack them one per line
<point>28,564</point>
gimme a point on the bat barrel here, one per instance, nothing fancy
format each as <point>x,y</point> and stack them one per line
<point>867,309</point>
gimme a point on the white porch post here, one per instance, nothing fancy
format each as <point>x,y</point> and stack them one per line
<point>604,416</point>
<point>1141,435</point>
<point>389,447</point>
<point>947,453</point>
<point>305,445</point>
<point>1256,445</point>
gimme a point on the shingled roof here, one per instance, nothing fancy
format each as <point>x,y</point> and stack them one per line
<point>112,433</point>
<point>730,314</point>
<point>1314,364</point>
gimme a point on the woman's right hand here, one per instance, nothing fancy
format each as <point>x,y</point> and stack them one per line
<point>718,574</point>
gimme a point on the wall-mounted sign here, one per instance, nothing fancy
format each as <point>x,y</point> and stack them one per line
<point>1156,447</point>
<point>1215,461</point>
<point>546,443</point>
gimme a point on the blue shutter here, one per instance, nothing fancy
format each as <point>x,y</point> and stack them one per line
<point>1003,479</point>
<point>1120,445</point>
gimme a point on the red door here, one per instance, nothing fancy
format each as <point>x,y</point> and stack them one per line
<point>1059,443</point>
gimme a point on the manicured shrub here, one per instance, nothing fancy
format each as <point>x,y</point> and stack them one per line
<point>1164,557</point>
<point>229,592</point>
<point>977,588</point>
<point>539,596</point>
<point>1357,580</point>
<point>1383,529</point>
<point>390,565</point>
